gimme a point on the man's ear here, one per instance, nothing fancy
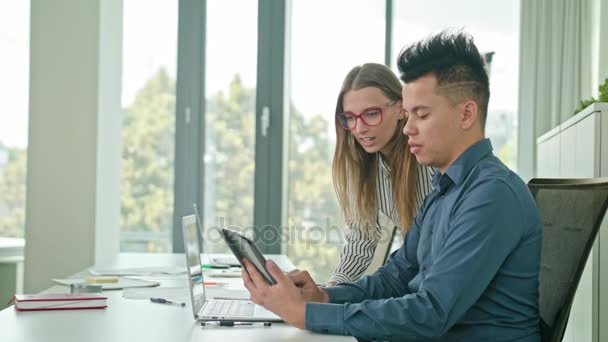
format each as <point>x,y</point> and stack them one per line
<point>470,111</point>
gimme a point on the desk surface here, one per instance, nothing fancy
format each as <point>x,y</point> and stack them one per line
<point>139,320</point>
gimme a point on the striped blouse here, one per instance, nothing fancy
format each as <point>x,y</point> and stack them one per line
<point>361,243</point>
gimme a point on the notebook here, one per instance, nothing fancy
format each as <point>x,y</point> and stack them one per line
<point>205,309</point>
<point>59,301</point>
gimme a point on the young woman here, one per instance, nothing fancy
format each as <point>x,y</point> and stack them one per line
<point>373,169</point>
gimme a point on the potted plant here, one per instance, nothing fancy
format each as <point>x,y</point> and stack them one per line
<point>603,97</point>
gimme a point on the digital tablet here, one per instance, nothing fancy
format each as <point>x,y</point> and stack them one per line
<point>242,247</point>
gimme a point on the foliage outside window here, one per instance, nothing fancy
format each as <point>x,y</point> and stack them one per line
<point>147,172</point>
<point>13,162</point>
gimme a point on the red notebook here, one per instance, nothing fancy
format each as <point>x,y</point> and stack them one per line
<point>60,301</point>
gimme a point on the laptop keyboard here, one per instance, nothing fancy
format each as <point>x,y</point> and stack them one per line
<point>229,308</point>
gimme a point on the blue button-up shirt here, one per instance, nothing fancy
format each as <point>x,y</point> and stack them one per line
<point>467,270</point>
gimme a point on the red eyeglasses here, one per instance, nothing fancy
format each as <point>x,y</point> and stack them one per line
<point>370,117</point>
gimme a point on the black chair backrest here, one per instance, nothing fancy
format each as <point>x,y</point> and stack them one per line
<point>571,211</point>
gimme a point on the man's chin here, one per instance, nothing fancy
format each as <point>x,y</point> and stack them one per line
<point>421,160</point>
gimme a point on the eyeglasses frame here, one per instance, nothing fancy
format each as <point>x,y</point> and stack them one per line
<point>360,115</point>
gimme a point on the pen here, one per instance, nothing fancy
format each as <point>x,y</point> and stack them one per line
<point>197,280</point>
<point>232,323</point>
<point>214,266</point>
<point>213,283</point>
<point>166,301</point>
<point>226,274</point>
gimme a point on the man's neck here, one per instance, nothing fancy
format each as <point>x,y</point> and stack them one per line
<point>459,150</point>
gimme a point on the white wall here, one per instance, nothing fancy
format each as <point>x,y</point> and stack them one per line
<point>547,99</point>
<point>72,210</point>
<point>600,43</point>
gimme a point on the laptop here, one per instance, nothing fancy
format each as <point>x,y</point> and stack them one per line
<point>208,309</point>
<point>220,261</point>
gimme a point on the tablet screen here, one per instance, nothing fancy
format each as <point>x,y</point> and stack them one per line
<point>242,247</point>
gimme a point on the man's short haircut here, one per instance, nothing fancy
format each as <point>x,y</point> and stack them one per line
<point>454,59</point>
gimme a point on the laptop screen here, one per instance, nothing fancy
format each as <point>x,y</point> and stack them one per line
<point>193,258</point>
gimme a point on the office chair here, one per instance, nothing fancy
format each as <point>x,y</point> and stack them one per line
<point>571,211</point>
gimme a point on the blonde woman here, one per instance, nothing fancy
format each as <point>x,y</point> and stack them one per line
<point>373,169</point>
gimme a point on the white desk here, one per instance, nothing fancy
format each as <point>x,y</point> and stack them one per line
<point>138,320</point>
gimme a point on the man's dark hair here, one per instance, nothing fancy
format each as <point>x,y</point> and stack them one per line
<point>454,59</point>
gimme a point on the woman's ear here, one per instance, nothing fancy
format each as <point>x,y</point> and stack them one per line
<point>401,114</point>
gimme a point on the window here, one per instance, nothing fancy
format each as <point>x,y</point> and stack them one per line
<point>344,34</point>
<point>148,133</point>
<point>495,28</point>
<point>14,87</point>
<point>230,92</point>
<point>321,56</point>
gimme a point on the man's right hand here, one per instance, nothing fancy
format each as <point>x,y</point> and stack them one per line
<point>310,291</point>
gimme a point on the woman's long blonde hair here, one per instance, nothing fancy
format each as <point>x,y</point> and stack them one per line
<point>354,171</point>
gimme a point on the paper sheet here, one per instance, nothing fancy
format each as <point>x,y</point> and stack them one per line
<point>138,271</point>
<point>121,284</point>
<point>181,294</point>
<point>178,294</point>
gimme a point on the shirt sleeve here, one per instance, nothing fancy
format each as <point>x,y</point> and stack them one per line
<point>389,281</point>
<point>484,228</point>
<point>357,253</point>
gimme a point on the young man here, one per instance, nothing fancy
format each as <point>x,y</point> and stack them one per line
<point>468,269</point>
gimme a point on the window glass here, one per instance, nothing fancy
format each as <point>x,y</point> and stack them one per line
<point>321,56</point>
<point>14,87</point>
<point>230,90</point>
<point>148,132</point>
<point>495,28</point>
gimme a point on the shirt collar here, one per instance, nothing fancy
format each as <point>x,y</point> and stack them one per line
<point>460,168</point>
<point>383,163</point>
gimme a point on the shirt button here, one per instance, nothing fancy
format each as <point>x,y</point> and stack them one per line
<point>423,268</point>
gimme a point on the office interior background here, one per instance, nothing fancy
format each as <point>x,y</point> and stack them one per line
<point>118,115</point>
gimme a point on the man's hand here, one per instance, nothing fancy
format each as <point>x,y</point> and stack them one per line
<point>309,289</point>
<point>284,298</point>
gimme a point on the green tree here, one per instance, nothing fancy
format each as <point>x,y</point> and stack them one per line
<point>12,193</point>
<point>229,176</point>
<point>508,152</point>
<point>313,209</point>
<point>229,158</point>
<point>148,140</point>
<point>147,174</point>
